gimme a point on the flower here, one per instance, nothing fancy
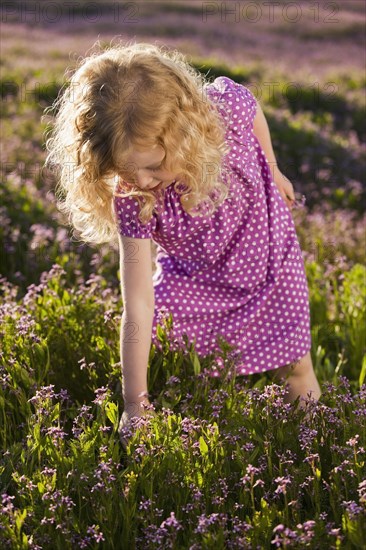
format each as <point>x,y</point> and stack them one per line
<point>96,533</point>
<point>171,522</point>
<point>282,484</point>
<point>353,441</point>
<point>45,392</point>
<point>7,505</point>
<point>204,522</point>
<point>101,395</point>
<point>352,509</point>
<point>362,491</point>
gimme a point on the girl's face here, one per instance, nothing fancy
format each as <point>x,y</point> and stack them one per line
<point>142,169</point>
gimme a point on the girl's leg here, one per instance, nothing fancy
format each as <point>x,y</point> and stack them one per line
<point>301,378</point>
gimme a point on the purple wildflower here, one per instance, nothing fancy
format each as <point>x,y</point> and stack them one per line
<point>362,491</point>
<point>308,531</point>
<point>48,471</point>
<point>45,392</point>
<point>96,533</point>
<point>306,437</point>
<point>204,522</point>
<point>7,505</point>
<point>282,484</point>
<point>352,509</point>
<point>101,395</point>
<point>251,471</point>
<point>284,536</point>
<point>145,503</point>
<point>172,522</point>
<point>353,441</point>
<point>56,433</point>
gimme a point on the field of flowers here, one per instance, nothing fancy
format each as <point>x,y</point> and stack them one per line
<point>226,462</point>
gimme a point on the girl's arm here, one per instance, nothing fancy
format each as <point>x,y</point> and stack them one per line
<point>261,130</point>
<point>135,344</point>
<point>137,319</point>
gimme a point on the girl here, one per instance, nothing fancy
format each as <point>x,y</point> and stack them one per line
<point>150,150</point>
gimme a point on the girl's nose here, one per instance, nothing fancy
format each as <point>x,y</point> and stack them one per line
<point>144,179</point>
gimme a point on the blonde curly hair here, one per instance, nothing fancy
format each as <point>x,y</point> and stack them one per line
<point>133,95</point>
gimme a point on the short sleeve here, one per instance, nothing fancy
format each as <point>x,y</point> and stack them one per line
<point>126,210</point>
<point>236,103</point>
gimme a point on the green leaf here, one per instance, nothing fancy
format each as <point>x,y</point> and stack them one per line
<point>253,456</point>
<point>198,475</point>
<point>160,333</point>
<point>196,364</point>
<point>363,371</point>
<point>203,446</point>
<point>66,297</point>
<point>19,520</point>
<point>354,533</point>
<point>111,410</point>
<point>100,342</point>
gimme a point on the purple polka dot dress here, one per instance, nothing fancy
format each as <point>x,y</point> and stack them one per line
<point>238,274</point>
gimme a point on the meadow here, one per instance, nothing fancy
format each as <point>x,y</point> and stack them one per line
<point>226,463</point>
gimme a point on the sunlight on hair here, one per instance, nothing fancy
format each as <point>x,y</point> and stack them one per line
<point>134,95</point>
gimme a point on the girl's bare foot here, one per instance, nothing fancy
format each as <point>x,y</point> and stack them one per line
<point>131,411</point>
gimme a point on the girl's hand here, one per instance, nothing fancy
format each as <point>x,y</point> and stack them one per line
<point>285,188</point>
<point>132,411</point>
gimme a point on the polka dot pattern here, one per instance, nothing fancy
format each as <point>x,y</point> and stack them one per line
<point>240,273</point>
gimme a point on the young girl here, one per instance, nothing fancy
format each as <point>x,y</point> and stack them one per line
<point>151,151</point>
